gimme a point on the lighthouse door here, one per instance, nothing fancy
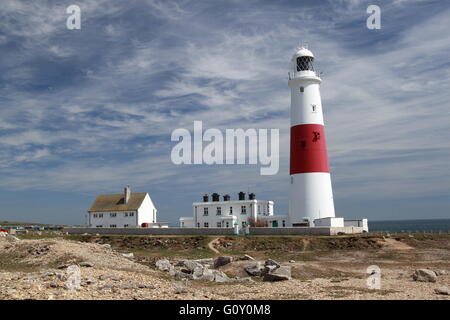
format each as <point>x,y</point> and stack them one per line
<point>275,224</point>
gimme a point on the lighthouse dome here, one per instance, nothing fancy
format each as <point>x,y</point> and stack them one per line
<point>302,52</point>
<point>303,60</point>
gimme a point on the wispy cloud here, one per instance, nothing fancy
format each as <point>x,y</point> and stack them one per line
<point>88,111</point>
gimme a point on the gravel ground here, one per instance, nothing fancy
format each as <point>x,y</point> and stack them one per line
<point>36,269</point>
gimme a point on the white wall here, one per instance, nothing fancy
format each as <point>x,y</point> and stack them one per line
<point>357,223</point>
<point>147,211</point>
<point>329,222</point>
<point>120,220</point>
<point>254,209</point>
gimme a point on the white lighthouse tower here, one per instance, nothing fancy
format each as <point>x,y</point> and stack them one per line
<point>311,195</point>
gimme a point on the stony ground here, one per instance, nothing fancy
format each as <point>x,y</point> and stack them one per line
<point>37,268</point>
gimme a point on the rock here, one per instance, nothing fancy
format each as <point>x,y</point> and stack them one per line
<point>197,273</point>
<point>191,264</point>
<point>247,257</point>
<point>268,269</point>
<point>207,274</point>
<point>270,262</point>
<point>86,264</point>
<point>108,277</point>
<point>279,274</point>
<point>181,290</point>
<point>63,266</point>
<point>146,286</point>
<point>45,274</point>
<point>291,261</point>
<point>222,260</point>
<point>128,255</point>
<point>424,275</point>
<point>253,269</point>
<point>183,275</point>
<point>440,272</point>
<point>12,238</point>
<point>442,290</point>
<point>207,262</point>
<point>219,276</point>
<point>246,279</point>
<point>128,286</point>
<point>163,265</point>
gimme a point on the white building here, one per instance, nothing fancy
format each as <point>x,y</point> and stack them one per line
<point>123,210</point>
<point>229,213</point>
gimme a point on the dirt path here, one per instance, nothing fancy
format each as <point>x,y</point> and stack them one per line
<point>393,244</point>
<point>211,245</point>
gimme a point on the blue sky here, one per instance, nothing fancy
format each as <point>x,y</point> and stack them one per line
<point>84,112</point>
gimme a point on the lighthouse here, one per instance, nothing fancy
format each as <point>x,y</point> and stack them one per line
<point>310,192</point>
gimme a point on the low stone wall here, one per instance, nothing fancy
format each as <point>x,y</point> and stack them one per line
<point>152,231</point>
<point>325,231</point>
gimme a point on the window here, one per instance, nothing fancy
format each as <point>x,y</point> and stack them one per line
<point>126,214</point>
<point>100,215</point>
<point>198,224</point>
<point>284,223</point>
<point>112,226</point>
<point>219,225</point>
<point>206,224</point>
<point>243,210</point>
<point>95,215</point>
<point>205,211</point>
<point>302,89</point>
<point>99,226</point>
<point>259,209</point>
<point>113,215</point>
<point>125,225</point>
<point>219,211</point>
<point>231,210</point>
<point>227,224</point>
<point>314,108</point>
<point>131,214</point>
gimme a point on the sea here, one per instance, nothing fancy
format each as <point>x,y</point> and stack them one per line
<point>411,226</point>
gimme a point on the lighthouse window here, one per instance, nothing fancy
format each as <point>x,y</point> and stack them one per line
<point>314,107</point>
<point>302,89</point>
<point>305,63</point>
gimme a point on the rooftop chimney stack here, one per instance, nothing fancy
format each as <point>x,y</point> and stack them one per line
<point>127,194</point>
<point>241,195</point>
<point>205,198</point>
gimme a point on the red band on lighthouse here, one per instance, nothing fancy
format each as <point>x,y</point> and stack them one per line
<point>308,149</point>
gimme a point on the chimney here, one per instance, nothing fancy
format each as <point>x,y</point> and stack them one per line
<point>251,196</point>
<point>226,197</point>
<point>215,197</point>
<point>241,195</point>
<point>127,194</point>
<point>205,198</point>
